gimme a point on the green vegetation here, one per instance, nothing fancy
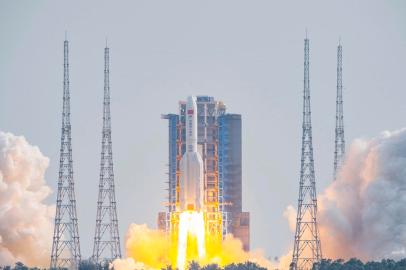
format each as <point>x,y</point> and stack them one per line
<point>355,264</point>
<point>233,266</point>
<point>352,264</point>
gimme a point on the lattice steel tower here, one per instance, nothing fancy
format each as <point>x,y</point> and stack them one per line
<point>339,150</point>
<point>106,239</point>
<point>307,249</point>
<point>65,246</point>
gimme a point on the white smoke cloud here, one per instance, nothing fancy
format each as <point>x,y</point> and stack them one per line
<point>128,264</point>
<point>25,220</point>
<point>363,212</point>
<point>290,214</point>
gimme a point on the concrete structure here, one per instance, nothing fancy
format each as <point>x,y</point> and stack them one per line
<point>213,142</point>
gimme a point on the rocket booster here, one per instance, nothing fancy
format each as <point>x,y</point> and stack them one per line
<point>191,186</point>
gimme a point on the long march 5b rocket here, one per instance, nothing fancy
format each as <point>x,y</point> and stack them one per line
<point>191,192</point>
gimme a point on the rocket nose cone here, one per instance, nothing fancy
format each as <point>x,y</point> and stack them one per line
<point>191,100</point>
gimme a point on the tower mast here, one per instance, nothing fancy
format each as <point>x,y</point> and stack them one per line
<point>106,240</point>
<point>339,150</point>
<point>307,248</point>
<point>65,245</point>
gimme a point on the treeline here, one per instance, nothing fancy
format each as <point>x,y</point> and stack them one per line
<point>233,266</point>
<point>84,265</point>
<point>352,264</point>
<point>355,264</point>
<point>89,265</point>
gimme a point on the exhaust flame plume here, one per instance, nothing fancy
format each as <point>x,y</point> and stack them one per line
<point>149,249</point>
<point>191,236</point>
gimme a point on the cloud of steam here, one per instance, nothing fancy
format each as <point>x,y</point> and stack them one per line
<point>129,264</point>
<point>363,212</point>
<point>290,214</point>
<point>25,220</point>
<point>150,249</point>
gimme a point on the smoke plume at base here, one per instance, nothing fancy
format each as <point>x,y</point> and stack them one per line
<point>25,220</point>
<point>362,213</point>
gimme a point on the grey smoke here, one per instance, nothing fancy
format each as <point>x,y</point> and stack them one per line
<point>363,213</point>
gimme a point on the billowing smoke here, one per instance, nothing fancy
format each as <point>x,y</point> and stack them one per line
<point>363,212</point>
<point>25,220</point>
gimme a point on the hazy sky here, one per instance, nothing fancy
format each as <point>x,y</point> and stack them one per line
<point>247,53</point>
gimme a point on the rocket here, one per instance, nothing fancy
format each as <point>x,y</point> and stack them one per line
<point>191,186</point>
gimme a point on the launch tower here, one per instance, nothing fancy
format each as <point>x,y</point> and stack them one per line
<point>65,246</point>
<point>307,248</point>
<point>106,239</point>
<point>339,150</point>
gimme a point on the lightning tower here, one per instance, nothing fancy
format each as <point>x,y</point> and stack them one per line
<point>339,150</point>
<point>106,239</point>
<point>307,248</point>
<point>65,245</point>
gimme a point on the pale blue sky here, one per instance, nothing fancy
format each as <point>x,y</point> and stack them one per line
<point>247,53</point>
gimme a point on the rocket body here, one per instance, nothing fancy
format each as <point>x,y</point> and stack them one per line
<point>191,192</point>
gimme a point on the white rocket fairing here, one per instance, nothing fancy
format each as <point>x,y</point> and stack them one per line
<point>191,186</point>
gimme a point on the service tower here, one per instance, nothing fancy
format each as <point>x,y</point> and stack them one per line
<point>219,146</point>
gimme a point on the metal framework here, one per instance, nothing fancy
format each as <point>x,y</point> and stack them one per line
<point>208,112</point>
<point>339,150</point>
<point>307,248</point>
<point>65,245</point>
<point>227,205</point>
<point>106,239</point>
<point>226,217</point>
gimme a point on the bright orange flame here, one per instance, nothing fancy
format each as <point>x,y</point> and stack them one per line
<point>191,238</point>
<point>149,249</point>
<point>197,236</point>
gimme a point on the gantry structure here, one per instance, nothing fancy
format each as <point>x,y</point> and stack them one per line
<point>307,248</point>
<point>106,246</point>
<point>65,246</point>
<point>339,150</point>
